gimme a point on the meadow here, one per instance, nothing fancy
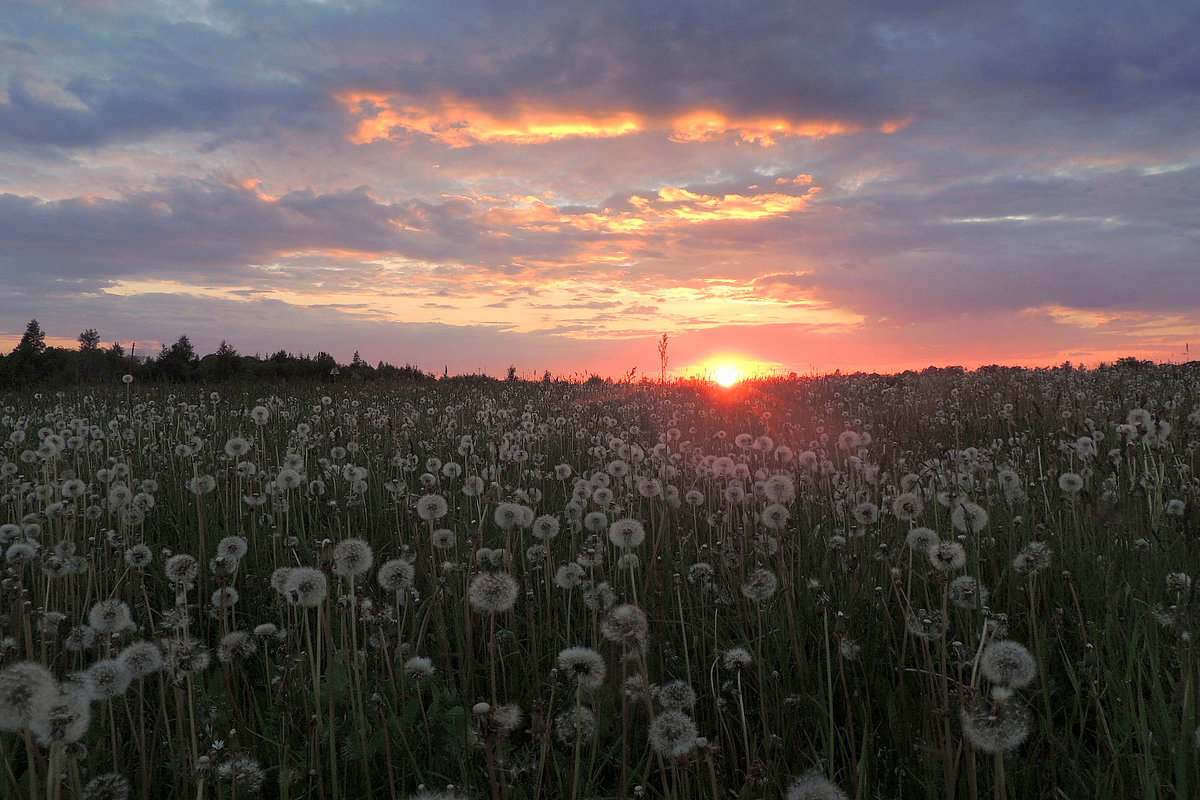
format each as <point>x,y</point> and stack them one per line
<point>938,585</point>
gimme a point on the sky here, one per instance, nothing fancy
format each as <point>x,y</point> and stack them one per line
<point>469,185</point>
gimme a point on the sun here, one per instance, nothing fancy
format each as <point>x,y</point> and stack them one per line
<point>727,375</point>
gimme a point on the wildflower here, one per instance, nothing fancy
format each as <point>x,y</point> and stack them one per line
<point>289,478</point>
<point>493,592</point>
<point>760,585</point>
<point>352,557</point>
<point>109,678</point>
<point>260,415</point>
<point>921,539</point>
<point>201,484</point>
<point>236,645</point>
<point>1033,558</point>
<point>508,516</point>
<point>109,786</point>
<point>79,638</point>
<point>628,561</point>
<point>232,548</point>
<point>244,773</point>
<point>626,624</point>
<point>225,597</point>
<point>1071,483</point>
<point>813,785</point>
<point>139,556</point>
<point>569,575</point>
<point>1176,507</point>
<point>968,517</point>
<point>626,533</point>
<point>110,616</point>
<point>20,553</point>
<point>24,686</point>
<point>575,724</point>
<point>418,668</point>
<point>62,715</point>
<point>595,521</point>
<point>676,694</point>
<point>584,666</point>
<point>142,658</point>
<point>996,728</point>
<point>545,528</point>
<point>442,539</point>
<point>432,507</point>
<point>672,734</point>
<point>948,556</point>
<point>186,655</point>
<point>507,718</point>
<point>925,624</point>
<point>967,592</point>
<point>181,570</point>
<point>395,575</point>
<point>849,648</point>
<point>907,507</point>
<point>599,596</point>
<point>1009,663</point>
<point>779,488</point>
<point>1178,582</point>
<point>737,659</point>
<point>306,586</point>
<point>775,516</point>
<point>866,513</point>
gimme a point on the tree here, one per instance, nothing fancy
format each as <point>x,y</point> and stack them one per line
<point>33,343</point>
<point>178,361</point>
<point>89,340</point>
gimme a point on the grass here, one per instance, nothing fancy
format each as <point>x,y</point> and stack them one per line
<point>858,665</point>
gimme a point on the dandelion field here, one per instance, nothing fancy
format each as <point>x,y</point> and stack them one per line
<point>935,585</point>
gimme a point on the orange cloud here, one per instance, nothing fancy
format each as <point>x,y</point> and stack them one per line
<point>668,207</point>
<point>462,123</point>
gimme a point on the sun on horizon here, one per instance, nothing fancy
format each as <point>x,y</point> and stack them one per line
<point>727,375</point>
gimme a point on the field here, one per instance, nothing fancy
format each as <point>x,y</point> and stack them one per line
<point>935,585</point>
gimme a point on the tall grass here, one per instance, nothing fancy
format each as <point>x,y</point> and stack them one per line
<point>827,648</point>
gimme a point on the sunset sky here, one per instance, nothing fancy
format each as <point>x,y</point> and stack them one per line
<point>802,186</point>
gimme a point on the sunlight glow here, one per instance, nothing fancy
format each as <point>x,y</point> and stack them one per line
<point>727,375</point>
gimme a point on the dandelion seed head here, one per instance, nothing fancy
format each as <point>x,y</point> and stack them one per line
<point>1009,663</point>
<point>24,686</point>
<point>737,659</point>
<point>626,624</point>
<point>583,666</point>
<point>760,585</point>
<point>996,728</point>
<point>110,616</point>
<point>352,557</point>
<point>813,786</point>
<point>672,733</point>
<point>109,786</point>
<point>395,575</point>
<point>575,724</point>
<point>306,586</point>
<point>236,646</point>
<point>676,694</point>
<point>493,592</point>
<point>143,658</point>
<point>109,678</point>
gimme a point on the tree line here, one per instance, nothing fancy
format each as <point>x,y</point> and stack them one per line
<point>33,363</point>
